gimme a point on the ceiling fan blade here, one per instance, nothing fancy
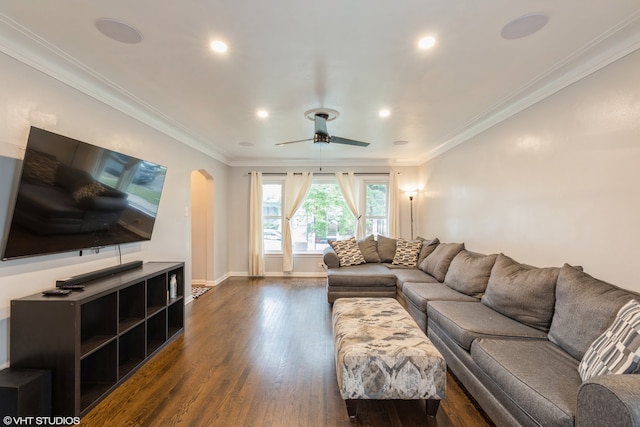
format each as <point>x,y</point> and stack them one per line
<point>293,142</point>
<point>338,140</point>
<point>321,124</point>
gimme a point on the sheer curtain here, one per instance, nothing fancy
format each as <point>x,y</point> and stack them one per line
<point>256,252</point>
<point>393,205</point>
<point>296,188</point>
<point>349,188</point>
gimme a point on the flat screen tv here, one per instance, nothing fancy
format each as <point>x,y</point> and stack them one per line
<point>72,195</point>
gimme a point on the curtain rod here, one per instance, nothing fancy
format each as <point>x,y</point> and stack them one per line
<point>322,173</point>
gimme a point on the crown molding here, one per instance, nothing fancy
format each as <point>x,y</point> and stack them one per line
<point>609,47</point>
<point>27,47</point>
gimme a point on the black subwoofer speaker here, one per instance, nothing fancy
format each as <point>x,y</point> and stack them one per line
<point>25,392</point>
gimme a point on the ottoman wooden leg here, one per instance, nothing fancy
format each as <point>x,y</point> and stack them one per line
<point>432,407</point>
<point>352,407</point>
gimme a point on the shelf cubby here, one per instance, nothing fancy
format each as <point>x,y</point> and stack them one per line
<point>98,373</point>
<point>98,323</point>
<point>156,331</point>
<point>175,317</point>
<point>131,350</point>
<point>132,307</point>
<point>157,293</point>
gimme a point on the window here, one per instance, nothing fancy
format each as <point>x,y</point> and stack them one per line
<point>324,215</point>
<point>376,213</point>
<point>272,216</point>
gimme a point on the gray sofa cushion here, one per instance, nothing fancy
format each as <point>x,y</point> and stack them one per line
<point>584,308</point>
<point>428,246</point>
<point>538,376</point>
<point>361,275</point>
<point>522,292</point>
<point>412,275</point>
<point>369,248</point>
<point>419,294</point>
<point>469,272</point>
<point>466,321</point>
<point>437,262</point>
<point>386,248</point>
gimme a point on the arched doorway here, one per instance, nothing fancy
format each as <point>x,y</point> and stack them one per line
<point>202,202</point>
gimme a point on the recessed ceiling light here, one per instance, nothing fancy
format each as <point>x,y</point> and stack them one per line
<point>400,142</point>
<point>384,113</point>
<point>118,31</point>
<point>218,46</point>
<point>426,42</point>
<point>263,114</point>
<point>524,26</point>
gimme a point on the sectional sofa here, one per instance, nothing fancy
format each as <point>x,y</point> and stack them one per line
<point>533,346</point>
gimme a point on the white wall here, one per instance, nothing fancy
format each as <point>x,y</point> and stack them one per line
<point>32,98</point>
<point>559,182</point>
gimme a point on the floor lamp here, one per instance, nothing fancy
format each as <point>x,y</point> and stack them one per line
<point>411,195</point>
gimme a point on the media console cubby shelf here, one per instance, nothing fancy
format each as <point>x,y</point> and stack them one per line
<point>95,338</point>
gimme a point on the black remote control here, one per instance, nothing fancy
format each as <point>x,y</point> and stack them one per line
<point>56,292</point>
<point>73,287</point>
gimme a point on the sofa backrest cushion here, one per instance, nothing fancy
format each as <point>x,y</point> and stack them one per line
<point>386,248</point>
<point>348,252</point>
<point>469,273</point>
<point>584,308</point>
<point>522,292</point>
<point>437,262</point>
<point>428,246</point>
<point>369,248</point>
<point>407,252</point>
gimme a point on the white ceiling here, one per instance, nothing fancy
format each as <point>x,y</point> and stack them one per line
<point>289,56</point>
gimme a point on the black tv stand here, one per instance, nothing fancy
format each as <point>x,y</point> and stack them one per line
<point>98,274</point>
<point>94,340</point>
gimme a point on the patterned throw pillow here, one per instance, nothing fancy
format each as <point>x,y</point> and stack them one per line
<point>39,167</point>
<point>407,252</point>
<point>90,190</point>
<point>348,252</point>
<point>617,350</point>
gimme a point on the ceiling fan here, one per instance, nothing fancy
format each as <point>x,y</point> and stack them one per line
<point>321,116</point>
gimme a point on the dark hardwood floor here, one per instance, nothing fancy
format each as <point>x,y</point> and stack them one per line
<point>258,352</point>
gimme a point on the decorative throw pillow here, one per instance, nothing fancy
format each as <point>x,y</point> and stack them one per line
<point>369,248</point>
<point>39,167</point>
<point>428,246</point>
<point>90,190</point>
<point>386,248</point>
<point>617,350</point>
<point>437,263</point>
<point>522,292</point>
<point>407,252</point>
<point>348,252</point>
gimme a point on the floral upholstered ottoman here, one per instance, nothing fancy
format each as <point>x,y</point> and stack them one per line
<point>382,354</point>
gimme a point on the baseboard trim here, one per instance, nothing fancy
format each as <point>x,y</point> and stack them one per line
<point>280,274</point>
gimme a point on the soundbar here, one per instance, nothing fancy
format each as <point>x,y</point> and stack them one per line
<point>98,274</point>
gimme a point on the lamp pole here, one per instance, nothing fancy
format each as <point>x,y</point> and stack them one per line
<point>411,203</point>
